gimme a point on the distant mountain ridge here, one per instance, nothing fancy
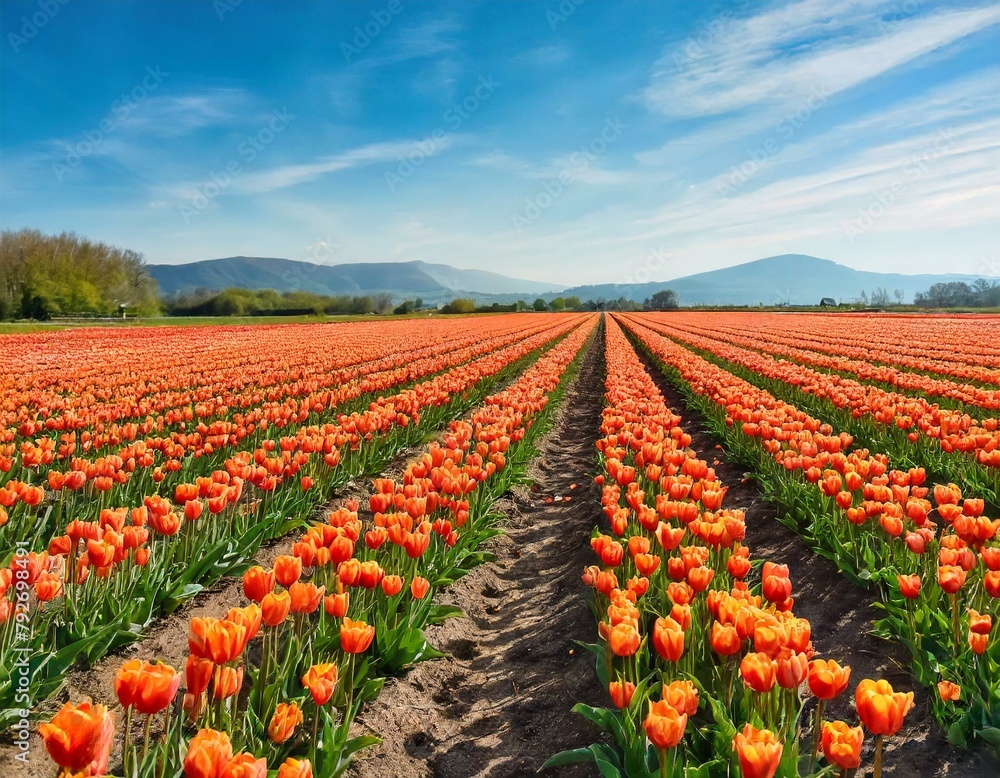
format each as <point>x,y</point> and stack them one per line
<point>794,279</point>
<point>433,282</point>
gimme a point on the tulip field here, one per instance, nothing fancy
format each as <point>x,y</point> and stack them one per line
<point>331,486</point>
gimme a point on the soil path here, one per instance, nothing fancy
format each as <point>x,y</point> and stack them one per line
<point>500,704</point>
<point>840,614</point>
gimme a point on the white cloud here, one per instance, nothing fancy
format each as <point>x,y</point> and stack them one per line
<point>779,55</point>
<point>290,175</point>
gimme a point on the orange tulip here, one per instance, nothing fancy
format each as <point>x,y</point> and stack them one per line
<point>208,754</point>
<point>682,696</point>
<point>664,725</point>
<point>792,669</point>
<point>295,768</point>
<point>258,583</point>
<point>245,766</point>
<point>419,587</point>
<point>978,642</point>
<point>79,737</point>
<point>220,640</point>
<point>827,679</point>
<point>305,597</point>
<point>759,671</point>
<point>909,586</point>
<point>881,709</point>
<point>355,636</point>
<point>146,687</point>
<point>336,604</point>
<point>624,639</point>
<point>321,680</point>
<point>287,569</point>
<point>275,608</point>
<point>228,682</point>
<point>759,752</point>
<point>197,674</point>
<point>948,691</point>
<point>668,639</point>
<point>842,744</point>
<point>621,693</point>
<point>951,578</point>
<point>725,639</point>
<point>287,716</point>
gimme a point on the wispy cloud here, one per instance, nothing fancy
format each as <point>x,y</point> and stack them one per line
<point>373,153</point>
<point>779,55</point>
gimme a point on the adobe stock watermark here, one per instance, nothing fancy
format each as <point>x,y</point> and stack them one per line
<point>579,161</point>
<point>370,30</point>
<point>20,647</point>
<point>246,152</point>
<point>708,32</point>
<point>454,117</point>
<point>563,10</point>
<point>223,7</point>
<point>883,200</point>
<point>653,262</point>
<point>34,24</point>
<point>120,110</point>
<point>759,155</point>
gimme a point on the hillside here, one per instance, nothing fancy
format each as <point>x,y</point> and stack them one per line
<point>796,279</point>
<point>433,282</point>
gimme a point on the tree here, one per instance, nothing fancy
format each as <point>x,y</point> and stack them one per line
<point>460,305</point>
<point>403,308</point>
<point>900,295</point>
<point>47,275</point>
<point>539,305</point>
<point>418,303</point>
<point>558,304</point>
<point>382,302</point>
<point>664,300</point>
<point>522,305</point>
<point>573,303</point>
<point>880,297</point>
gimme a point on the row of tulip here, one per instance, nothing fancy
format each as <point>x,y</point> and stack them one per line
<point>703,660</point>
<point>856,362</point>
<point>110,385</point>
<point>934,555</point>
<point>277,682</point>
<point>44,485</point>
<point>101,582</point>
<point>910,429</point>
<point>948,346</point>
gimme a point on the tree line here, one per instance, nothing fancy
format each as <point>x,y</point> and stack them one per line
<point>42,276</point>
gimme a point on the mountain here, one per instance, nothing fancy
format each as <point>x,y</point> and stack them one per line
<point>433,282</point>
<point>795,279</point>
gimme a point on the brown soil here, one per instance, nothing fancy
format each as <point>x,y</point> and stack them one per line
<point>841,615</point>
<point>500,704</point>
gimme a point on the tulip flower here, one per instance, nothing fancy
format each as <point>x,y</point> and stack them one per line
<point>79,737</point>
<point>909,586</point>
<point>209,752</point>
<point>881,710</point>
<point>759,672</point>
<point>355,636</point>
<point>258,583</point>
<point>842,744</point>
<point>948,691</point>
<point>668,639</point>
<point>287,716</point>
<point>275,608</point>
<point>621,693</point>
<point>321,680</point>
<point>146,687</point>
<point>295,768</point>
<point>759,752</point>
<point>664,725</point>
<point>682,696</point>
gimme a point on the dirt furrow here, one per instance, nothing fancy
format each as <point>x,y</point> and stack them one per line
<point>500,704</point>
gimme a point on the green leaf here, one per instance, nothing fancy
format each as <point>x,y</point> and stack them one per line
<point>573,756</point>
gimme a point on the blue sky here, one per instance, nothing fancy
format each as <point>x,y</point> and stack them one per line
<point>575,142</point>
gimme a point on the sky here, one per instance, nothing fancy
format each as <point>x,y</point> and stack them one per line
<point>572,142</point>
